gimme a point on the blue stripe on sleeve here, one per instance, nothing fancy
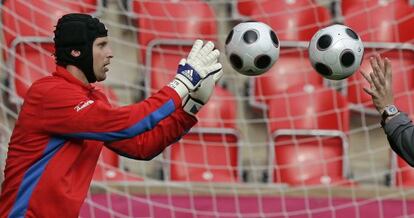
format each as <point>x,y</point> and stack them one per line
<point>32,177</point>
<point>143,125</point>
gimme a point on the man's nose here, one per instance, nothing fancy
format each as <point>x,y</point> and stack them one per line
<point>110,54</point>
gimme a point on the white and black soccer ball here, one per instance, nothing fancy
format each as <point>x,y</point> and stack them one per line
<point>252,48</point>
<point>336,52</point>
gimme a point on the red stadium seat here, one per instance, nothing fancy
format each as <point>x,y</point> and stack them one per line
<point>292,20</point>
<point>28,28</point>
<point>32,62</point>
<point>245,7</point>
<point>309,128</point>
<point>167,31</point>
<point>89,6</point>
<point>380,21</point>
<point>163,63</point>
<point>309,160</point>
<point>405,102</point>
<point>309,107</point>
<point>205,156</point>
<point>220,112</point>
<point>172,20</point>
<point>34,18</point>
<point>210,151</point>
<point>403,77</point>
<point>291,69</point>
<point>108,173</point>
<point>403,174</point>
<point>107,169</point>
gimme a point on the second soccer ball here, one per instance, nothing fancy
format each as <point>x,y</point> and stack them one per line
<point>252,48</point>
<point>336,52</point>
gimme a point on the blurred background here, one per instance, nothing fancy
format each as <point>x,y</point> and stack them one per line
<point>285,144</point>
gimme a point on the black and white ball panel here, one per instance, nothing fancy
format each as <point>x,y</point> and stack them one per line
<point>347,58</point>
<point>250,36</point>
<point>262,61</point>
<point>229,37</point>
<point>324,42</point>
<point>236,61</point>
<point>323,69</point>
<point>274,38</point>
<point>351,33</point>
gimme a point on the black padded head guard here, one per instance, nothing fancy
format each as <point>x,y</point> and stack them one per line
<point>78,32</point>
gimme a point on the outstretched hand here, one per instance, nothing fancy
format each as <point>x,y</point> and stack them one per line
<point>201,62</point>
<point>380,80</point>
<point>202,94</point>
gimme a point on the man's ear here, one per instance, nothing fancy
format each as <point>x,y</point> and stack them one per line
<point>75,53</point>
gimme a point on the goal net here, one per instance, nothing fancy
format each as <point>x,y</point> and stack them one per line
<point>287,143</point>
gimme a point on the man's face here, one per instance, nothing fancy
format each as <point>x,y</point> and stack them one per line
<point>102,55</point>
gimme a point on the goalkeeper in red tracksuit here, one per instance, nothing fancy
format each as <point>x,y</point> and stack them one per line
<point>64,121</point>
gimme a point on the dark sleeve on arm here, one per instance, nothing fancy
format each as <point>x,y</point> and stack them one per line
<point>400,134</point>
<point>151,143</point>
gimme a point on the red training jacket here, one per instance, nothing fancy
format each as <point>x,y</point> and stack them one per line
<point>59,134</point>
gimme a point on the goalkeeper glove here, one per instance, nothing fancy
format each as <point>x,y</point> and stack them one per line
<point>200,96</point>
<point>201,61</point>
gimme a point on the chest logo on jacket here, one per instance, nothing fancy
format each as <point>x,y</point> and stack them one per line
<point>83,104</point>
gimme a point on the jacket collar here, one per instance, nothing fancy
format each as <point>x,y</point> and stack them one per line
<point>62,72</point>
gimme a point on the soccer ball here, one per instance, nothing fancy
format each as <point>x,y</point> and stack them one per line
<point>336,52</point>
<point>252,48</point>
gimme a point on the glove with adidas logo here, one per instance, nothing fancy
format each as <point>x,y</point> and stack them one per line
<point>201,62</point>
<point>202,94</point>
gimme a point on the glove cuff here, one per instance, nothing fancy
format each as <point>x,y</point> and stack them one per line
<point>179,87</point>
<point>189,76</point>
<point>192,106</point>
